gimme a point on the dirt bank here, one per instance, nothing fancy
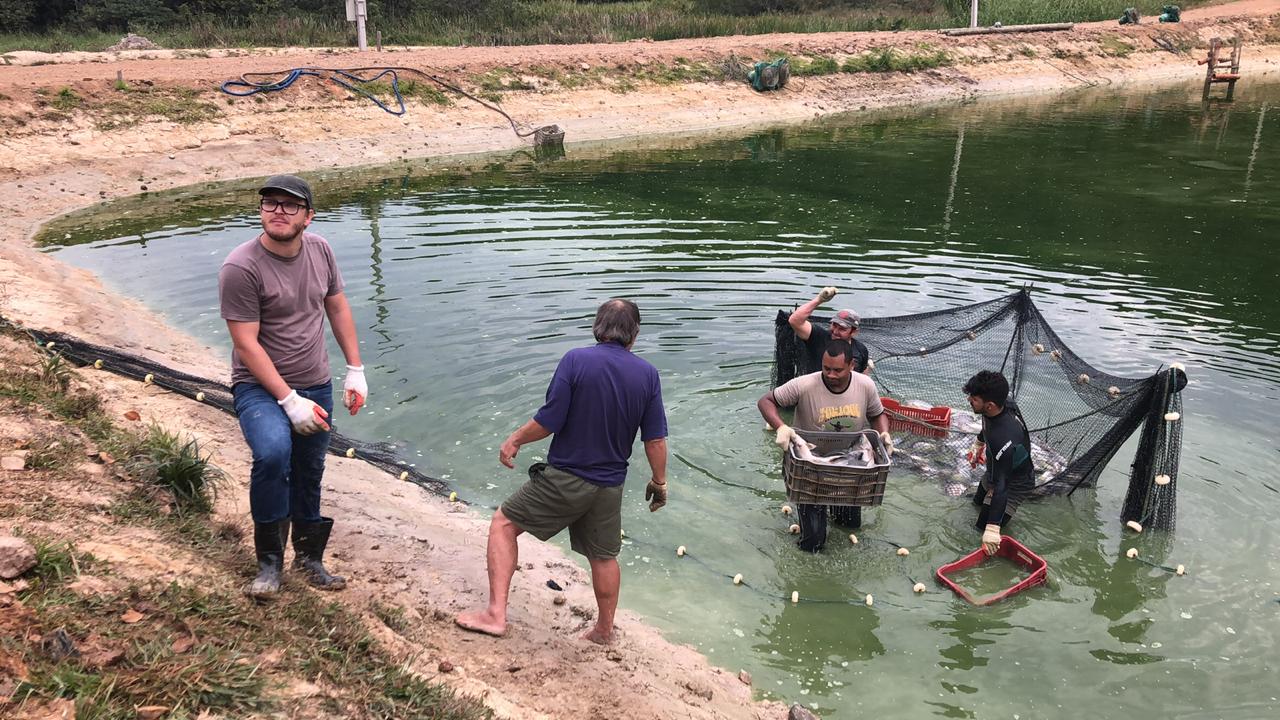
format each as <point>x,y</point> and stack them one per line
<point>400,546</point>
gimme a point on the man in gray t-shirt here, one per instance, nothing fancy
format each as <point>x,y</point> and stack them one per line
<point>275,292</point>
<point>835,399</point>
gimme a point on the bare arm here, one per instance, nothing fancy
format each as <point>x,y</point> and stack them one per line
<point>244,336</point>
<point>344,327</point>
<point>768,407</point>
<point>881,423</point>
<point>525,434</point>
<point>799,320</point>
<point>655,451</point>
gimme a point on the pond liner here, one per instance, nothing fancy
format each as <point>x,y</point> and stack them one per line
<point>1078,413</point>
<point>218,395</point>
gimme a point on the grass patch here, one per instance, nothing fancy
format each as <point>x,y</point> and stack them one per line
<point>134,105</point>
<point>66,99</point>
<point>423,91</point>
<point>53,370</point>
<point>499,80</point>
<point>678,71</point>
<point>49,453</point>
<point>821,65</point>
<point>57,563</point>
<point>165,460</point>
<point>1115,47</point>
<point>391,615</point>
<point>196,648</point>
<point>893,60</point>
<point>205,648</point>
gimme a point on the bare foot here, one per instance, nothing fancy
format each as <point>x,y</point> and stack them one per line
<point>600,637</point>
<point>482,621</point>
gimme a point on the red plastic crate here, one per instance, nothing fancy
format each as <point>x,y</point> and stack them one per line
<point>1010,549</point>
<point>938,417</point>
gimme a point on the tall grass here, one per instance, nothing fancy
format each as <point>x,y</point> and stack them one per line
<point>528,22</point>
<point>167,461</point>
<point>1020,12</point>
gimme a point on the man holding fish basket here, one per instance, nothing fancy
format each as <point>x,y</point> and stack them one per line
<point>834,399</point>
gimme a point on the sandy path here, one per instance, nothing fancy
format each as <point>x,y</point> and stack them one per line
<point>51,167</point>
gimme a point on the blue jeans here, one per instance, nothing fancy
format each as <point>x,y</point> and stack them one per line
<point>287,467</point>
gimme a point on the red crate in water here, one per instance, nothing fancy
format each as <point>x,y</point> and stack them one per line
<point>1010,549</point>
<point>934,422</point>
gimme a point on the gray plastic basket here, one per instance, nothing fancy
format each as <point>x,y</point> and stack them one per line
<point>818,484</point>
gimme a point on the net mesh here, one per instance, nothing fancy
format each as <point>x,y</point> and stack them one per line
<point>218,394</point>
<point>1078,416</point>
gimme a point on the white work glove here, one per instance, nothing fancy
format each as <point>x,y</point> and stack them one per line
<point>785,435</point>
<point>305,415</point>
<point>354,389</point>
<point>827,293</point>
<point>888,444</point>
<point>991,539</point>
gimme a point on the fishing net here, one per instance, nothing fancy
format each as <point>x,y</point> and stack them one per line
<point>1078,416</point>
<point>217,394</point>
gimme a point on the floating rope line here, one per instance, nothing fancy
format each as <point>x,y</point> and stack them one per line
<point>739,580</point>
<point>352,79</point>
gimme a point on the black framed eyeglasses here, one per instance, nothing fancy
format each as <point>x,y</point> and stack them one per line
<point>287,207</point>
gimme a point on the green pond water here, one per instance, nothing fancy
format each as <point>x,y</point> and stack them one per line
<point>1146,223</point>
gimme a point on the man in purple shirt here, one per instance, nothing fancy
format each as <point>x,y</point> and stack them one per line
<point>598,399</point>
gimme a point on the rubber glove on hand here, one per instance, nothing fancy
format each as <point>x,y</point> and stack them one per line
<point>827,293</point>
<point>305,415</point>
<point>785,436</point>
<point>977,455</point>
<point>888,444</point>
<point>991,539</point>
<point>354,389</point>
<point>656,493</point>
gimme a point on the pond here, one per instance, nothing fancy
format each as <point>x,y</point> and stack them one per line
<point>1140,218</point>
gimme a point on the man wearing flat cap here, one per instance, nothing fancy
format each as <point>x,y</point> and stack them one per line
<point>844,326</point>
<point>275,292</point>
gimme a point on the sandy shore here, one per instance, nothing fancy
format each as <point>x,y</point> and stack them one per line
<point>50,166</point>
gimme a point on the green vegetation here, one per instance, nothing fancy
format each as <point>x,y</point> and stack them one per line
<point>1115,47</point>
<point>167,461</point>
<point>132,105</point>
<point>193,649</point>
<point>885,59</point>
<point>892,60</point>
<point>802,67</point>
<point>190,648</point>
<point>59,25</point>
<point>67,99</point>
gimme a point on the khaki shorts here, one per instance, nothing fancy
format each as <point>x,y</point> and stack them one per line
<point>553,500</point>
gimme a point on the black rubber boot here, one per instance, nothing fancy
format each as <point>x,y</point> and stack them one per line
<point>309,541</point>
<point>813,527</point>
<point>268,544</point>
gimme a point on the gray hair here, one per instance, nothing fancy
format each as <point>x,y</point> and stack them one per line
<point>617,320</point>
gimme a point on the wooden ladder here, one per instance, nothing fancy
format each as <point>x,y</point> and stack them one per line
<point>1217,63</point>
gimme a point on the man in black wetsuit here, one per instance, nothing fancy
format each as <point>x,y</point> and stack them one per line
<point>1005,445</point>
<point>844,326</point>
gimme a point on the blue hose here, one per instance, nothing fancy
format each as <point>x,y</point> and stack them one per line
<point>244,87</point>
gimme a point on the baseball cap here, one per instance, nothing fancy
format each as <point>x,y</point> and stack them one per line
<point>289,184</point>
<point>846,318</point>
